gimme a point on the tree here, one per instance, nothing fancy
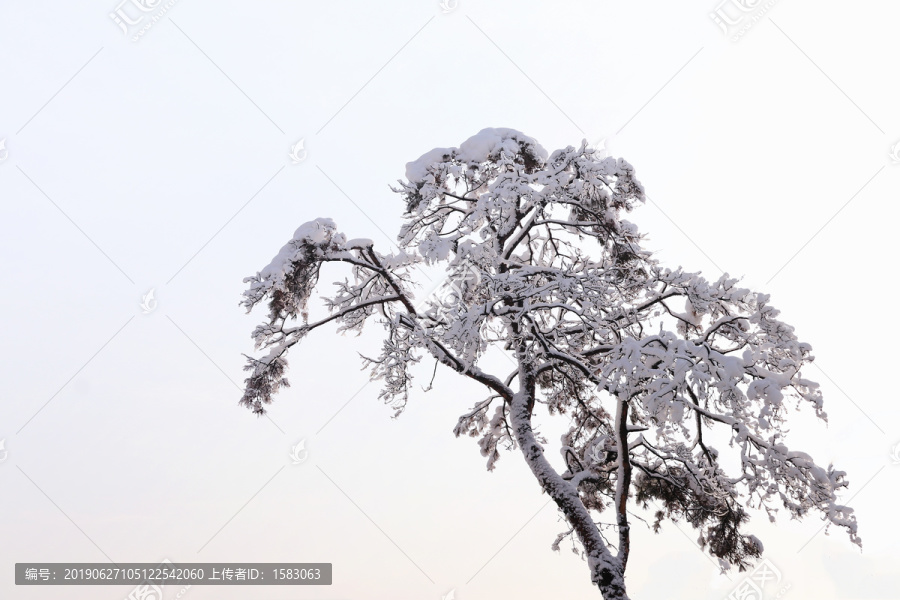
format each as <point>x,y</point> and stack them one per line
<point>541,263</point>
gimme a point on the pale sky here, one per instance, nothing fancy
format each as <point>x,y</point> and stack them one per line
<point>164,164</point>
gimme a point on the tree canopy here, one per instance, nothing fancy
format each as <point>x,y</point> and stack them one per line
<point>643,360</point>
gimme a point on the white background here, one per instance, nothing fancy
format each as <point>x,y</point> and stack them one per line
<point>164,164</point>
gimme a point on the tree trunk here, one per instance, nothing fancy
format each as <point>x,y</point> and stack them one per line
<point>623,481</point>
<point>606,570</point>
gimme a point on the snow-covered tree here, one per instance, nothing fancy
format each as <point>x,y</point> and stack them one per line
<point>649,364</point>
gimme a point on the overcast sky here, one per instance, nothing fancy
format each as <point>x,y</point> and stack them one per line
<point>159,151</point>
